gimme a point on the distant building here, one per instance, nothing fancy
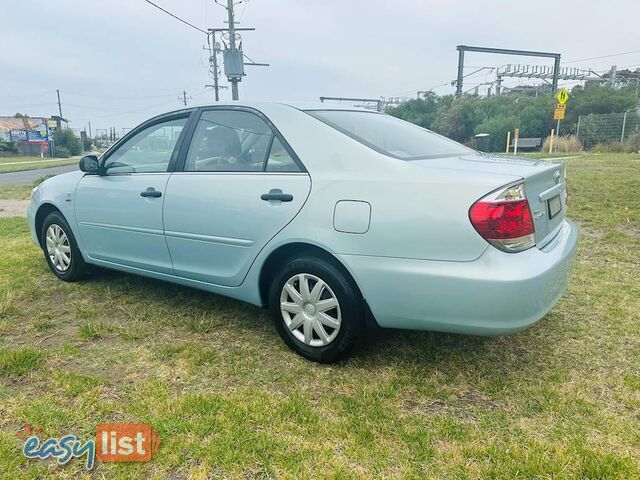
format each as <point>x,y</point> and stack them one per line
<point>31,134</point>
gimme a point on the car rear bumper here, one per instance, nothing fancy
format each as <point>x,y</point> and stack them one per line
<point>496,294</point>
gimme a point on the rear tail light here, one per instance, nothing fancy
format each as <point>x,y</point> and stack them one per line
<point>503,218</point>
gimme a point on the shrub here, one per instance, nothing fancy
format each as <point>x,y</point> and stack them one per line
<point>64,137</point>
<point>610,147</point>
<point>634,143</point>
<point>497,127</point>
<point>563,143</point>
<point>62,152</point>
<point>630,145</point>
<point>8,148</point>
<point>87,144</point>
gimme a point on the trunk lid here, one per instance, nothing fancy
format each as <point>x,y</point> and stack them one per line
<point>544,181</point>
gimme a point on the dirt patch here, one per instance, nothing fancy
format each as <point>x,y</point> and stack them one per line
<point>13,208</point>
<point>629,229</point>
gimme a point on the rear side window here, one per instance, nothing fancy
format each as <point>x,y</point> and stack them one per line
<point>228,141</point>
<point>390,135</point>
<point>279,159</point>
<point>236,141</point>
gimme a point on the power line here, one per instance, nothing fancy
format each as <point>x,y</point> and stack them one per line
<point>406,92</point>
<point>603,56</point>
<point>114,97</point>
<point>176,17</point>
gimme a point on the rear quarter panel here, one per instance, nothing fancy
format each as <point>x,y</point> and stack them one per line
<point>416,211</point>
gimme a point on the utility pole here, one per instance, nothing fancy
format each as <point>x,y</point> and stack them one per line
<point>59,104</point>
<point>233,55</point>
<point>232,46</point>
<point>90,130</point>
<point>214,71</point>
<point>613,75</point>
<point>184,98</point>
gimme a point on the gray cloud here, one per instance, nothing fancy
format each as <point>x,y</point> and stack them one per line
<point>119,62</point>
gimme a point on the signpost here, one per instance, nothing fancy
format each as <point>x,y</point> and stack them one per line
<point>562,96</point>
<point>558,114</point>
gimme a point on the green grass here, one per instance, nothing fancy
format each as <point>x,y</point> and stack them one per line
<point>228,399</point>
<point>30,163</point>
<point>92,330</point>
<point>17,192</point>
<point>20,192</point>
<point>555,154</point>
<point>18,362</point>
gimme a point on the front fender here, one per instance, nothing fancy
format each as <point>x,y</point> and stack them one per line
<point>58,192</point>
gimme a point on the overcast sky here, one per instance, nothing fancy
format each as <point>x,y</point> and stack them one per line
<point>118,62</point>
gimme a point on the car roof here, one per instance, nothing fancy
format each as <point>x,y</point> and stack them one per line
<point>298,105</point>
<point>266,107</point>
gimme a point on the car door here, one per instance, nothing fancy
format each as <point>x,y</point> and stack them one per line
<point>240,184</point>
<point>119,212</point>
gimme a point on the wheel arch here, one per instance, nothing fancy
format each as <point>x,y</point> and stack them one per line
<point>42,212</point>
<point>290,250</point>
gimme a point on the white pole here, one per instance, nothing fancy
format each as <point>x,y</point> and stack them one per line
<point>578,129</point>
<point>624,124</point>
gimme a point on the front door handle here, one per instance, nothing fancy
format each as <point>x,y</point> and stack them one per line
<point>151,192</point>
<point>276,194</point>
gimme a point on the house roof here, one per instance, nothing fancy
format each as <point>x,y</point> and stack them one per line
<point>20,123</point>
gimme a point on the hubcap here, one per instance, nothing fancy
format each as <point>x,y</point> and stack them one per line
<point>58,248</point>
<point>310,310</point>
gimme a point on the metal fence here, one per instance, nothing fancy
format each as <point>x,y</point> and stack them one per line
<point>607,127</point>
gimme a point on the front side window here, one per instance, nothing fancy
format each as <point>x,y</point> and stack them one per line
<point>390,135</point>
<point>228,141</point>
<point>148,151</point>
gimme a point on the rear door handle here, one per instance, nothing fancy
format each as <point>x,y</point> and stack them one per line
<point>276,194</point>
<point>151,192</point>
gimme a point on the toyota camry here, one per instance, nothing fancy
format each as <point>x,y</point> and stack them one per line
<point>329,217</point>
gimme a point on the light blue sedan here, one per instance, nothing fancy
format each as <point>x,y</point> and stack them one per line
<point>330,217</point>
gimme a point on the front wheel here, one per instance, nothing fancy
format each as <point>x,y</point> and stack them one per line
<point>316,308</point>
<point>60,248</point>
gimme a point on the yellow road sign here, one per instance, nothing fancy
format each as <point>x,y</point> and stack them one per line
<point>558,113</point>
<point>562,96</point>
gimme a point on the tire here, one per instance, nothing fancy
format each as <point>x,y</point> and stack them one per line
<point>67,263</point>
<point>305,329</point>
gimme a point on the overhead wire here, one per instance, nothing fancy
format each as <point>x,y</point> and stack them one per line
<point>176,17</point>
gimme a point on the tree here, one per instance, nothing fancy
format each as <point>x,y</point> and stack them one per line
<point>421,111</point>
<point>462,118</point>
<point>65,138</point>
<point>596,98</point>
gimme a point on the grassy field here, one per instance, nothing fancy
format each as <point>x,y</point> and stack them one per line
<point>8,164</point>
<point>561,400</point>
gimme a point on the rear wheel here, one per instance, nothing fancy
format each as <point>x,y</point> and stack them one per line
<point>316,308</point>
<point>60,248</point>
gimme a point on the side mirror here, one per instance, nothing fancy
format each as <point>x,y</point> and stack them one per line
<point>89,164</point>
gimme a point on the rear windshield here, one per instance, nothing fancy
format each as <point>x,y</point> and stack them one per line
<point>390,135</point>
